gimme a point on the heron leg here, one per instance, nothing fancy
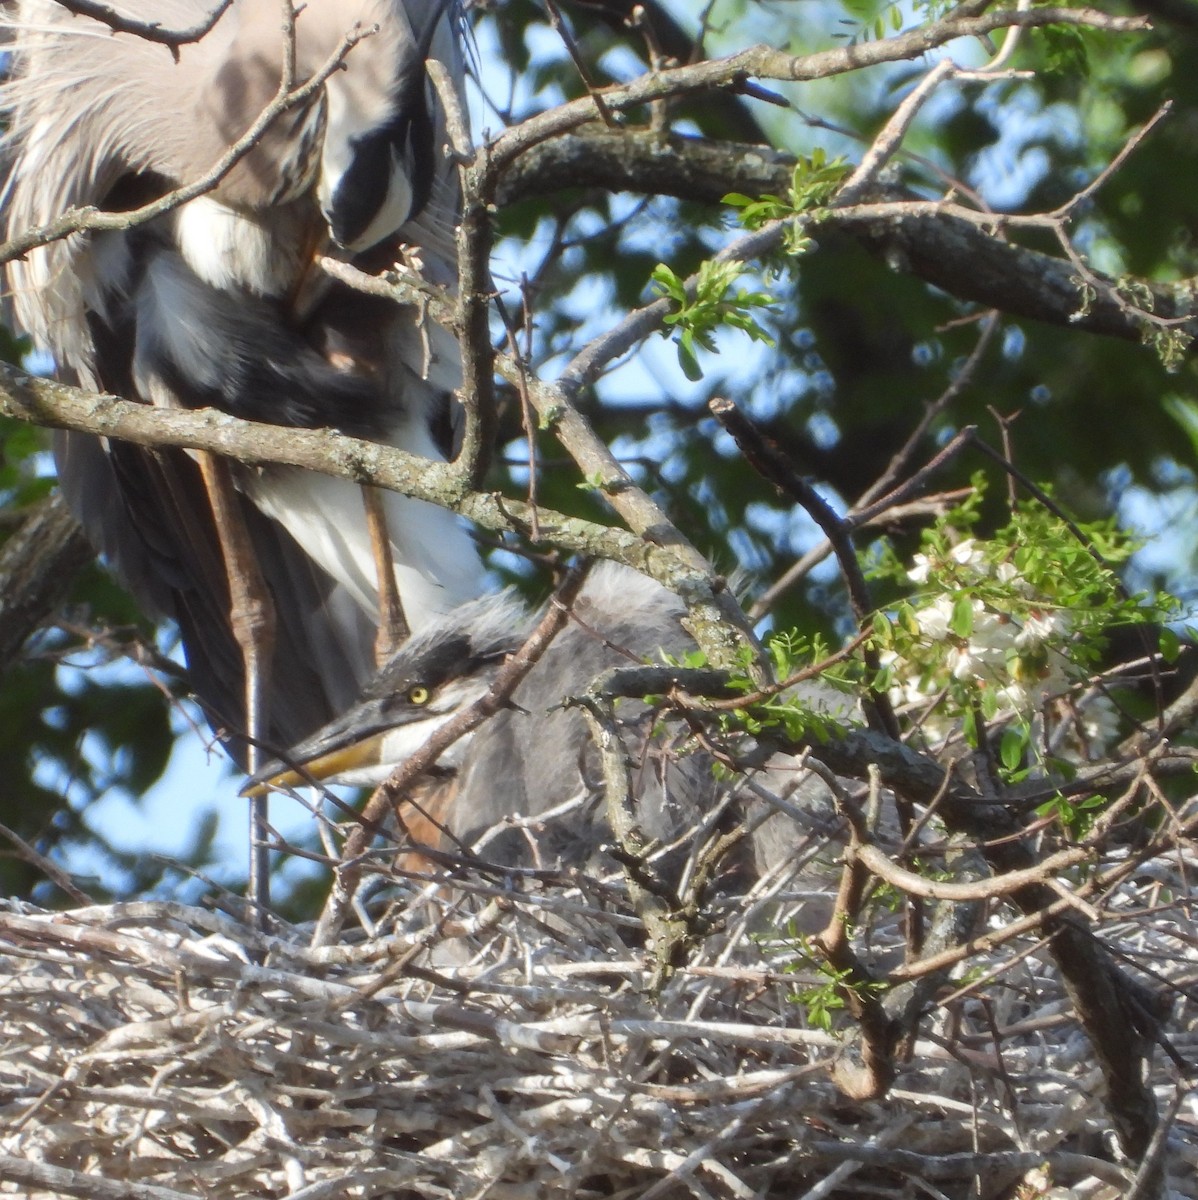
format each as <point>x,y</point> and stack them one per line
<point>252,619</point>
<point>423,820</point>
<point>393,626</point>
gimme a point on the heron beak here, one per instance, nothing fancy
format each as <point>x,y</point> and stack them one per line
<point>352,745</point>
<point>361,747</point>
<point>362,755</point>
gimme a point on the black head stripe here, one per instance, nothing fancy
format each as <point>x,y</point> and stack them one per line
<point>467,645</point>
<point>404,142</point>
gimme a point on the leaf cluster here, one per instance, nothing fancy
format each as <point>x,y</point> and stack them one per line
<point>1037,562</point>
<point>823,1000</point>
<point>813,183</point>
<point>816,710</point>
<point>710,306</point>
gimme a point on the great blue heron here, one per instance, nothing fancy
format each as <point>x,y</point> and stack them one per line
<point>217,302</point>
<point>535,756</point>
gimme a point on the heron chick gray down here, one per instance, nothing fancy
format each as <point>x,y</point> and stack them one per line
<point>535,756</point>
<point>218,302</point>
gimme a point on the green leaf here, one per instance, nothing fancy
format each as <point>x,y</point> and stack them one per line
<point>1170,645</point>
<point>961,622</point>
<point>883,634</point>
<point>688,362</point>
<point>670,284</point>
<point>969,727</point>
<point>1010,750</point>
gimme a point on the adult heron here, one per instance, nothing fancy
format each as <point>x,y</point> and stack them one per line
<point>535,756</point>
<point>218,301</point>
<point>278,578</point>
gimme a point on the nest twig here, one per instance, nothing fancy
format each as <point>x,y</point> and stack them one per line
<point>499,1041</point>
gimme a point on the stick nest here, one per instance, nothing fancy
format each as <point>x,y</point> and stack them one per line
<point>498,1040</point>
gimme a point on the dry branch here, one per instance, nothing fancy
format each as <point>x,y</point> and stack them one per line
<point>156,1046</point>
<point>945,243</point>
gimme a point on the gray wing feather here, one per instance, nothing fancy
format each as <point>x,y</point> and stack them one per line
<point>537,756</point>
<point>534,758</point>
<point>147,512</point>
<point>196,308</point>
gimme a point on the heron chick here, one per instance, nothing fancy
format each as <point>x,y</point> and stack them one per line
<point>534,756</point>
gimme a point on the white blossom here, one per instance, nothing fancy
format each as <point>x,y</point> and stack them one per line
<point>920,571</point>
<point>968,554</point>
<point>1018,660</point>
<point>1100,723</point>
<point>934,618</point>
<point>1041,627</point>
<point>963,665</point>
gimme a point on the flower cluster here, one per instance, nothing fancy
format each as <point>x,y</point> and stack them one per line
<point>979,636</point>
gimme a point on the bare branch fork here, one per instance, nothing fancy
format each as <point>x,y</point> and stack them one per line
<point>148,31</point>
<point>763,62</point>
<point>54,405</point>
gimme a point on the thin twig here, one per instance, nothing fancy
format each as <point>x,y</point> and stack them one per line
<point>47,866</point>
<point>148,31</point>
<point>768,462</point>
<point>89,219</point>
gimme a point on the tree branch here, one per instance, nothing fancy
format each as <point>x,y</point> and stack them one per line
<point>38,565</point>
<point>946,244</point>
<point>148,31</point>
<point>55,405</point>
<point>764,62</point>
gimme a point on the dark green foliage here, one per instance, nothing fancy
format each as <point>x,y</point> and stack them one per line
<point>83,741</point>
<point>849,349</point>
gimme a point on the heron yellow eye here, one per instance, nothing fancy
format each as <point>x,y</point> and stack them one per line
<point>418,694</point>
